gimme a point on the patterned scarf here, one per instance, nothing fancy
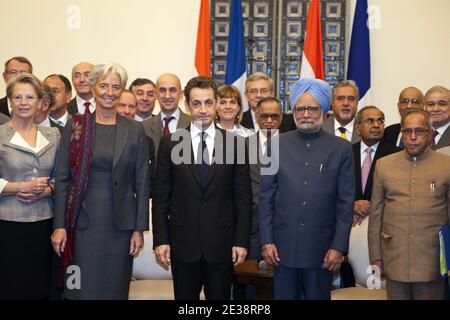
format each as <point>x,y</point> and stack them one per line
<point>81,143</point>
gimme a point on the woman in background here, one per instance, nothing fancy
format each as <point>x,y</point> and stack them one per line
<point>27,167</point>
<point>102,194</point>
<point>229,111</point>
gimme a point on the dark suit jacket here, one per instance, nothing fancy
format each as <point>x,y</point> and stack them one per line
<point>306,208</point>
<point>4,106</point>
<point>130,175</point>
<point>391,134</point>
<point>55,125</point>
<point>198,223</point>
<point>384,149</point>
<point>287,124</point>
<point>444,141</point>
<point>72,107</point>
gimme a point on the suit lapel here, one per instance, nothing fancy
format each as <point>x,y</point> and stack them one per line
<point>357,154</point>
<point>121,139</point>
<point>184,121</point>
<point>444,140</point>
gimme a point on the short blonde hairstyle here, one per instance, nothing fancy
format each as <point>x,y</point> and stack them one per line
<point>101,70</point>
<point>29,79</point>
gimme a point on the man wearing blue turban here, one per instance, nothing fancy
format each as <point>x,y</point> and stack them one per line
<point>306,207</point>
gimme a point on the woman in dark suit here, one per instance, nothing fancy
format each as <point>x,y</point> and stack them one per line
<point>27,167</point>
<point>102,190</point>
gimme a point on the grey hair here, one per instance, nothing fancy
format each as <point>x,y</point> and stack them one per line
<point>103,69</point>
<point>425,113</point>
<point>259,76</point>
<point>26,78</point>
<point>360,113</point>
<point>437,89</point>
<point>347,83</point>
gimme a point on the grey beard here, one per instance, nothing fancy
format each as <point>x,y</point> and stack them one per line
<point>311,127</point>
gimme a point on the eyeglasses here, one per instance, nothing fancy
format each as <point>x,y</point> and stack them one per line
<point>265,116</point>
<point>419,132</point>
<point>440,104</point>
<point>310,109</point>
<point>262,91</point>
<point>371,121</point>
<point>414,102</point>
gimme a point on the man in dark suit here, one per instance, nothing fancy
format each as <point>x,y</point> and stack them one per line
<point>62,92</point>
<point>345,106</point>
<point>83,99</point>
<point>409,98</point>
<point>369,124</point>
<point>437,103</point>
<point>145,92</point>
<point>42,117</point>
<point>202,201</point>
<point>3,118</point>
<point>306,207</point>
<point>257,86</point>
<point>171,118</point>
<point>13,67</point>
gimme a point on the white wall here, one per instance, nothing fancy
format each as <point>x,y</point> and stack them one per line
<point>149,37</point>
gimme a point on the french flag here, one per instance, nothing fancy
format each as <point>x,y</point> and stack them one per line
<point>203,46</point>
<point>236,70</point>
<point>358,66</point>
<point>312,57</point>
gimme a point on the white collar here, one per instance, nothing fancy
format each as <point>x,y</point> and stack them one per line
<point>364,147</point>
<point>63,119</point>
<point>210,131</point>
<point>348,126</point>
<point>41,142</point>
<point>176,115</point>
<point>81,101</point>
<point>46,123</point>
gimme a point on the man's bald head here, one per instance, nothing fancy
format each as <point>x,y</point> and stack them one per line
<point>410,98</point>
<point>168,92</point>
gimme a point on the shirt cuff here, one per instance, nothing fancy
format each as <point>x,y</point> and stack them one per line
<point>3,184</point>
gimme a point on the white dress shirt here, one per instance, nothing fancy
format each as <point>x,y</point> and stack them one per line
<point>238,130</point>
<point>196,139</point>
<point>63,120</point>
<point>82,107</point>
<point>46,123</point>
<point>364,153</point>
<point>348,129</point>
<point>173,123</point>
<point>255,123</point>
<point>17,140</point>
<point>263,141</point>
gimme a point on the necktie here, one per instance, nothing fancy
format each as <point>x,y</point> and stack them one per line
<point>434,133</point>
<point>203,160</point>
<point>366,168</point>
<point>87,110</point>
<point>269,144</point>
<point>166,130</point>
<point>343,135</point>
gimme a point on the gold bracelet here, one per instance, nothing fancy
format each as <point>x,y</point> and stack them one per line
<point>267,245</point>
<point>19,187</point>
